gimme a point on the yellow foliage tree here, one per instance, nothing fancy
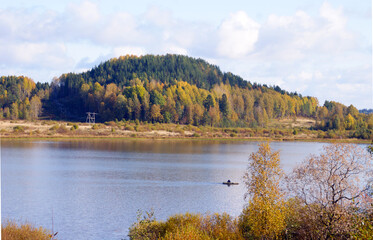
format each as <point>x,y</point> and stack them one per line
<point>350,122</point>
<point>264,216</point>
<point>214,115</point>
<point>155,113</point>
<point>35,107</point>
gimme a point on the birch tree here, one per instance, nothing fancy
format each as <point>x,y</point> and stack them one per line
<point>331,185</point>
<point>264,215</point>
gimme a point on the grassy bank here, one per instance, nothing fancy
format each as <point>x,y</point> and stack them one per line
<point>283,130</point>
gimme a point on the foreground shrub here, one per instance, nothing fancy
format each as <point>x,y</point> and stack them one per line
<point>111,124</point>
<point>222,226</point>
<point>363,227</point>
<point>186,226</point>
<point>146,227</point>
<point>62,129</point>
<point>96,126</point>
<point>74,127</point>
<point>196,135</point>
<point>17,129</point>
<point>299,223</point>
<point>186,232</point>
<point>303,224</point>
<point>12,231</point>
<point>129,128</point>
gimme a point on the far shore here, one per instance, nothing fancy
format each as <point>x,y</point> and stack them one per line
<point>61,130</point>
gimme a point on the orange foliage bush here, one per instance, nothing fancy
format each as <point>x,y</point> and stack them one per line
<point>13,231</point>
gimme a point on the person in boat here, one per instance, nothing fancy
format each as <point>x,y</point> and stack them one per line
<point>229,181</point>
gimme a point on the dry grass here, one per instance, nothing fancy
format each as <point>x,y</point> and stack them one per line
<point>299,122</point>
<point>279,130</point>
<point>25,129</point>
<point>13,231</point>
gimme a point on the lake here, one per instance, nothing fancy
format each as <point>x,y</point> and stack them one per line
<point>93,188</point>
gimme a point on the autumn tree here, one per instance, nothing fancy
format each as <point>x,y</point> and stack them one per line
<point>155,113</point>
<point>14,111</point>
<point>263,217</point>
<point>331,185</point>
<point>157,98</point>
<point>214,115</point>
<point>197,114</point>
<point>136,107</point>
<point>6,112</point>
<point>353,111</point>
<point>84,89</point>
<point>120,107</point>
<point>349,122</point>
<point>35,107</point>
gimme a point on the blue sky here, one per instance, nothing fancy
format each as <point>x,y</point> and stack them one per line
<point>317,48</point>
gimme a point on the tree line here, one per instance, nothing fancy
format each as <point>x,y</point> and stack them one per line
<point>336,116</point>
<point>20,97</point>
<point>172,89</point>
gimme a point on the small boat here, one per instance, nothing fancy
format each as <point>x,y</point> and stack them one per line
<point>230,183</point>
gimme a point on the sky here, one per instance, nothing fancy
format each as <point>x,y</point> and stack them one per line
<point>314,47</point>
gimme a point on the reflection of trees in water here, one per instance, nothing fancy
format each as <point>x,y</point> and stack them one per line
<point>145,145</point>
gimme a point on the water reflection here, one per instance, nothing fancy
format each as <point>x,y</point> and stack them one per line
<point>129,145</point>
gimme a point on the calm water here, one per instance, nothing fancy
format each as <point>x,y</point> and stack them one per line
<point>93,188</point>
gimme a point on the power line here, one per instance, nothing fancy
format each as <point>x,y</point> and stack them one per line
<point>91,117</point>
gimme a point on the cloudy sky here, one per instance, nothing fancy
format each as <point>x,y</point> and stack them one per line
<point>315,47</point>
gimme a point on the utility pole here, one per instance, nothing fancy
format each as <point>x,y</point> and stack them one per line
<point>91,117</point>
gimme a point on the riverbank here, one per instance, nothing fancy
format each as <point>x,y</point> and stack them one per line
<point>48,129</point>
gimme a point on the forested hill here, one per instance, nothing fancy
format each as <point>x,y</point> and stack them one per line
<point>166,69</point>
<point>175,88</point>
<point>171,89</point>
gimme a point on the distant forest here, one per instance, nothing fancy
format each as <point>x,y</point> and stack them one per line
<point>170,89</point>
<point>366,111</point>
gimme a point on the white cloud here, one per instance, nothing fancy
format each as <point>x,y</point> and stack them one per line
<point>173,49</point>
<point>270,81</point>
<point>305,76</point>
<point>238,35</point>
<point>298,37</point>
<point>128,50</point>
<point>159,17</point>
<point>35,55</point>
<point>85,13</point>
<point>299,52</point>
<point>25,25</point>
<point>121,28</point>
<point>350,87</point>
<point>334,16</point>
